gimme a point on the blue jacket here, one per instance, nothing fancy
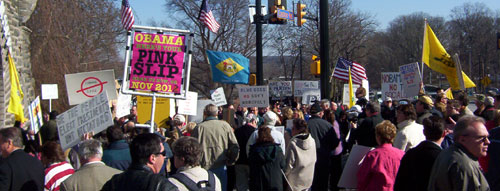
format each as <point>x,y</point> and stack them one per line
<point>117,155</point>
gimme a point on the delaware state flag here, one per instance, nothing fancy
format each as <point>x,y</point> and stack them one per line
<point>228,67</point>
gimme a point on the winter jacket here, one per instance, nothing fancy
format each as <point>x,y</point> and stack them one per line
<point>300,160</point>
<point>409,135</point>
<point>117,155</point>
<point>267,162</point>
<point>138,177</point>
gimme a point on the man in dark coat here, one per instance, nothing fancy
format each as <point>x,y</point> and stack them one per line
<point>364,134</point>
<point>242,134</point>
<point>326,141</point>
<point>416,165</point>
<point>117,155</point>
<point>48,131</point>
<point>18,170</point>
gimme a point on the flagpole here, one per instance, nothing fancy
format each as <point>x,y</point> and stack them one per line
<point>423,53</point>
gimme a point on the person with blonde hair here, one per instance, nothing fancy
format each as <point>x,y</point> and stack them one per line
<point>380,166</point>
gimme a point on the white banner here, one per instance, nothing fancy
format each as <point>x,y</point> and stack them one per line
<point>299,87</point>
<point>50,91</point>
<point>310,96</point>
<point>391,85</point>
<point>92,115</point>
<point>219,97</point>
<point>188,106</point>
<point>123,105</point>
<point>345,95</point>
<point>254,96</point>
<point>83,86</point>
<point>36,118</point>
<point>410,76</point>
<point>280,88</point>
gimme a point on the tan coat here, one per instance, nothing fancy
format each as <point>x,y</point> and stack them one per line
<point>89,177</point>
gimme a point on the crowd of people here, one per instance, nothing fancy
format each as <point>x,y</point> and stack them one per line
<point>421,144</point>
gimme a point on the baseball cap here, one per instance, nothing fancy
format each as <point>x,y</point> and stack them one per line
<point>388,99</point>
<point>426,99</point>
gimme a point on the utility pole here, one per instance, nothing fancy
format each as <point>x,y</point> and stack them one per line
<point>300,61</point>
<point>324,49</point>
<point>258,29</point>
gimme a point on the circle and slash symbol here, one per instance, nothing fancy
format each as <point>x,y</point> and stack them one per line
<point>94,86</point>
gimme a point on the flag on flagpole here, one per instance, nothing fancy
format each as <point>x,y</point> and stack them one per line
<point>228,67</point>
<point>16,93</point>
<point>127,15</point>
<point>435,57</point>
<point>207,17</point>
<point>351,91</point>
<point>342,69</point>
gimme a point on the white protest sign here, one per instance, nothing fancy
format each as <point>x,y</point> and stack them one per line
<point>83,86</point>
<point>254,96</point>
<point>36,115</point>
<point>299,87</point>
<point>345,95</point>
<point>391,85</point>
<point>349,179</point>
<point>188,106</point>
<point>200,106</point>
<point>280,88</point>
<point>92,115</point>
<point>410,76</point>
<point>219,97</point>
<point>310,96</point>
<point>123,105</point>
<point>50,91</point>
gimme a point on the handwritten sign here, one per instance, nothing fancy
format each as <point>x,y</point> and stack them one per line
<point>299,87</point>
<point>254,96</point>
<point>219,97</point>
<point>36,114</point>
<point>280,88</point>
<point>345,95</point>
<point>410,76</point>
<point>188,106</point>
<point>50,91</point>
<point>123,105</point>
<point>92,115</point>
<point>391,85</point>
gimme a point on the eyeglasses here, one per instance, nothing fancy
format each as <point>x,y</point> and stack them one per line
<point>164,153</point>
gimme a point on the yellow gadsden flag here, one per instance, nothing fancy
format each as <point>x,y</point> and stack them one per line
<point>351,91</point>
<point>435,57</point>
<point>16,93</point>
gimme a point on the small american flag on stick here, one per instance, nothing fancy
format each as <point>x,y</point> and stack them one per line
<point>127,15</point>
<point>207,17</point>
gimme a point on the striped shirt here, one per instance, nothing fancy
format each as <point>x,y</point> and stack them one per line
<point>56,173</point>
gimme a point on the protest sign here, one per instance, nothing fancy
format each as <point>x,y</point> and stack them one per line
<point>123,105</point>
<point>299,87</point>
<point>345,95</point>
<point>391,85</point>
<point>84,86</point>
<point>348,179</point>
<point>281,129</point>
<point>162,110</point>
<point>200,106</point>
<point>254,96</point>
<point>310,96</point>
<point>50,91</point>
<point>36,115</point>
<point>280,88</point>
<point>188,106</point>
<point>92,115</point>
<point>157,62</point>
<point>410,76</point>
<point>219,97</point>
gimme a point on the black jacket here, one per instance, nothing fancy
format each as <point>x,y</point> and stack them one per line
<point>21,171</point>
<point>416,166</point>
<point>138,177</point>
<point>265,168</point>
<point>365,132</point>
<point>324,135</point>
<point>242,135</point>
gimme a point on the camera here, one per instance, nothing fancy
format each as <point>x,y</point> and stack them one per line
<point>352,116</point>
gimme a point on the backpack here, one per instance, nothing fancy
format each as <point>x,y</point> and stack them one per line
<point>191,185</point>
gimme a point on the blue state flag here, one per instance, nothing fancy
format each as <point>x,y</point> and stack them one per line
<point>228,67</point>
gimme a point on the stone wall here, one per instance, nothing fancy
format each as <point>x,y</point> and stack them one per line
<point>17,12</point>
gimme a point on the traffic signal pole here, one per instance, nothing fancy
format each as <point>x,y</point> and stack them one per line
<point>258,44</point>
<point>324,49</point>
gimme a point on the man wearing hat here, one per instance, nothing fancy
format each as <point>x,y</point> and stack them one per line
<point>326,141</point>
<point>423,107</point>
<point>387,111</point>
<point>489,109</point>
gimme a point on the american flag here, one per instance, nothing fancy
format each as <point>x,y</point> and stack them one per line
<point>342,71</point>
<point>127,15</point>
<point>207,17</point>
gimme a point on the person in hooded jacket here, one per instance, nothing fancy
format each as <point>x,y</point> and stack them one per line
<point>300,157</point>
<point>267,163</point>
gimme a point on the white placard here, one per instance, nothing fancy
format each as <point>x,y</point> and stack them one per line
<point>289,123</point>
<point>310,96</point>
<point>50,91</point>
<point>254,96</point>
<point>391,85</point>
<point>410,76</point>
<point>92,115</point>
<point>123,105</point>
<point>36,115</point>
<point>349,179</point>
<point>83,86</point>
<point>219,97</point>
<point>280,88</point>
<point>200,106</point>
<point>299,87</point>
<point>189,105</point>
<point>281,129</point>
<point>345,95</point>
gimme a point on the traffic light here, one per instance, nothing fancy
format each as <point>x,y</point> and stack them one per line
<point>252,80</point>
<point>273,9</point>
<point>300,14</point>
<point>315,66</point>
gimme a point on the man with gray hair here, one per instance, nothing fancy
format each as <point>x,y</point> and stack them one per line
<point>218,142</point>
<point>94,173</point>
<point>457,168</point>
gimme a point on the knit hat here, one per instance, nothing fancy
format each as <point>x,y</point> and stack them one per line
<point>427,100</point>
